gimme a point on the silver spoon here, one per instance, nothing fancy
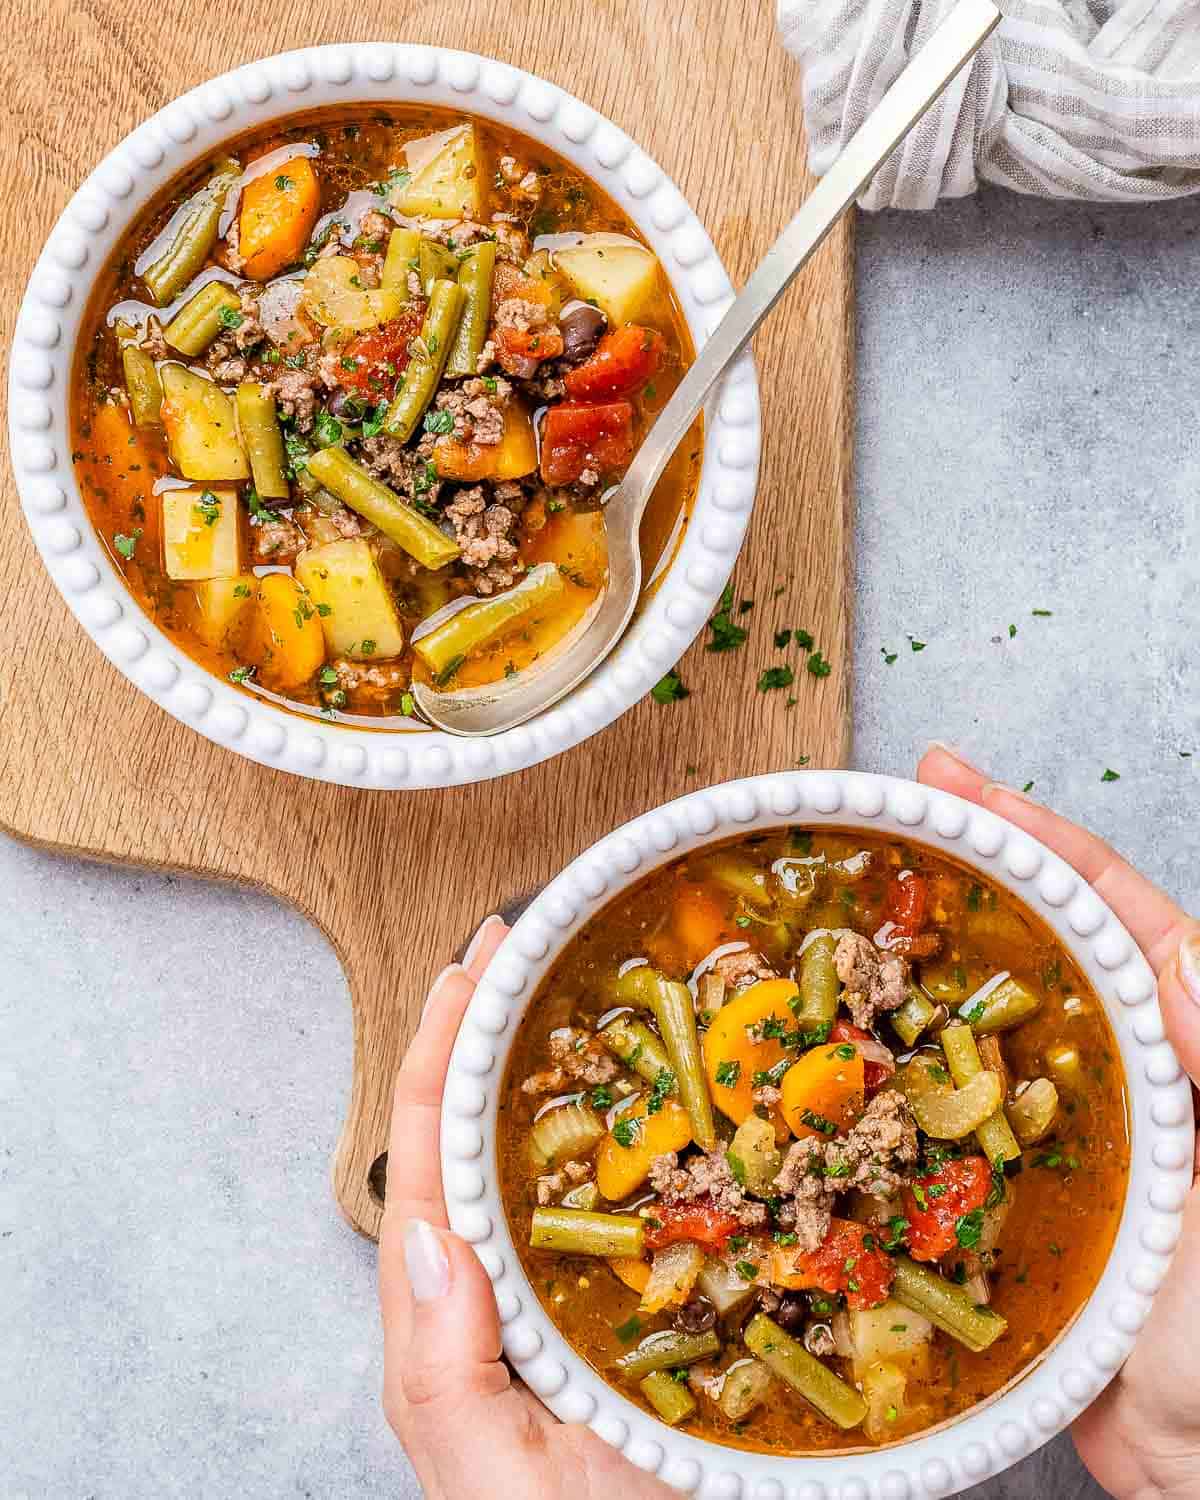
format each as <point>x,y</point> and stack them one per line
<point>502,705</point>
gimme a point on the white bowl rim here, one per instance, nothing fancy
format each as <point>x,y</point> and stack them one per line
<point>48,325</point>
<point>992,1436</point>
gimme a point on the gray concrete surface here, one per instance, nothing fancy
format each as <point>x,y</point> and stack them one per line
<point>181,1311</point>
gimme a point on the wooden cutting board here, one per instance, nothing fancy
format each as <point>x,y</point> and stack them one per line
<point>398,881</point>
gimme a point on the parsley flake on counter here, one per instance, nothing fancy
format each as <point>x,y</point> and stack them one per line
<point>1028,787</point>
<point>1041,614</point>
<point>888,656</point>
<point>1012,630</point>
<point>1111,775</point>
<point>669,689</point>
<point>916,644</point>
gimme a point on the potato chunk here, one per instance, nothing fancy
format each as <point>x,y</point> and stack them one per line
<point>201,533</point>
<point>352,600</point>
<point>335,296</point>
<point>445,176</point>
<point>220,604</point>
<point>615,272</point>
<point>201,427</point>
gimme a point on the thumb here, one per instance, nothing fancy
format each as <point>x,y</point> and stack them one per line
<point>454,1333</point>
<point>1179,997</point>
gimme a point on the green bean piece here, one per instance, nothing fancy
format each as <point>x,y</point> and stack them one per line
<point>818,984</point>
<point>911,1019</point>
<point>202,317</point>
<point>478,625</point>
<point>963,1059</point>
<point>143,386</point>
<point>795,1366</point>
<point>1010,1003</point>
<point>668,1350</point>
<point>1033,1112</point>
<point>671,1003</point>
<point>636,1045</point>
<point>190,236</point>
<point>475,278</point>
<point>351,483</point>
<point>427,361</point>
<point>262,440</point>
<point>401,258</point>
<point>434,263</point>
<point>573,1231</point>
<point>673,1402</point>
<point>948,1307</point>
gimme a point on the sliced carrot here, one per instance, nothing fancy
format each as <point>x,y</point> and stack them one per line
<point>823,1093</point>
<point>700,922</point>
<point>634,1273</point>
<point>287,641</point>
<point>621,1170</point>
<point>279,209</point>
<point>732,1057</point>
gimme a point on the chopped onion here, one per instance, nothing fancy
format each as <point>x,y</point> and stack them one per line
<point>843,1339</point>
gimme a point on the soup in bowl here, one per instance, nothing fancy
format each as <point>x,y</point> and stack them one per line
<point>815,1138</point>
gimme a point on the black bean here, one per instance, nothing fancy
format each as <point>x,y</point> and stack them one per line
<point>792,1314</point>
<point>581,325</point>
<point>696,1316</point>
<point>344,406</point>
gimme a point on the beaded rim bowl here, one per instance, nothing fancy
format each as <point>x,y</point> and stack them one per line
<point>998,1432</point>
<point>39,390</point>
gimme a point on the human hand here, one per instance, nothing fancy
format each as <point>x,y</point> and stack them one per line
<point>469,1428</point>
<point>1141,1437</point>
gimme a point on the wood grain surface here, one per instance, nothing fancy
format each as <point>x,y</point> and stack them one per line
<point>398,880</point>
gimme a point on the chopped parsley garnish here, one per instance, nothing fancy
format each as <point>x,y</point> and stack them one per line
<point>786,1239</point>
<point>625,1132</point>
<point>125,545</point>
<point>726,636</point>
<point>774,677</point>
<point>1111,775</point>
<point>660,1089</point>
<point>746,1269</point>
<point>742,921</point>
<point>938,1073</point>
<point>628,1330</point>
<point>283,183</point>
<point>817,1122</point>
<point>897,1233</point>
<point>327,677</point>
<point>439,421</point>
<point>728,1073</point>
<point>916,644</point>
<point>845,1051</point>
<point>408,708</point>
<point>669,689</point>
<point>969,1228</point>
<point>209,507</point>
<point>373,419</point>
<point>241,674</point>
<point>229,317</point>
<point>602,1096</point>
<point>327,429</point>
<point>1043,614</point>
<point>241,591</point>
<point>974,1014</point>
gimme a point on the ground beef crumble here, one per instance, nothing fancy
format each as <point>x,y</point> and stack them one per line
<point>742,969</point>
<point>486,539</point>
<point>578,1057</point>
<point>706,1175</point>
<point>874,982</point>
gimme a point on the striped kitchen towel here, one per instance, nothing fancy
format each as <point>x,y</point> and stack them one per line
<point>1094,99</point>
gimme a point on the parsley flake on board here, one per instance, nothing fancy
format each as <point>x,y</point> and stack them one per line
<point>669,689</point>
<point>726,636</point>
<point>818,666</point>
<point>916,644</point>
<point>775,677</point>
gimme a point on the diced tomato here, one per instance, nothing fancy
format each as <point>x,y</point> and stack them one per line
<point>577,437</point>
<point>907,903</point>
<point>701,1221</point>
<point>624,360</point>
<point>934,1204</point>
<point>371,362</point>
<point>848,1260</point>
<point>875,1072</point>
<point>519,351</point>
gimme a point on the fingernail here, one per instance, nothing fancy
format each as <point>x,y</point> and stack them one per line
<point>425,1261</point>
<point>954,753</point>
<point>1000,786</point>
<point>476,942</point>
<point>1189,965</point>
<point>435,987</point>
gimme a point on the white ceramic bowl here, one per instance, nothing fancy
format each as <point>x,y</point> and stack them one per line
<point>1000,1431</point>
<point>48,325</point>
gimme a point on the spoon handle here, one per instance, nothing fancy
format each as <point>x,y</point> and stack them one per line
<point>952,45</point>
